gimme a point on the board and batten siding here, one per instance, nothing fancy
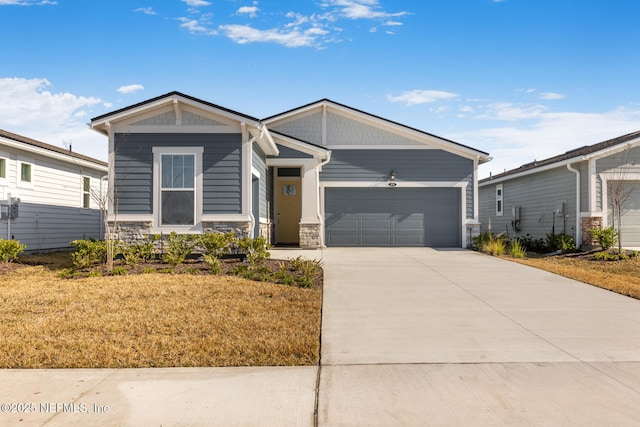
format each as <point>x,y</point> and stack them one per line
<point>537,195</point>
<point>222,177</point>
<point>409,166</point>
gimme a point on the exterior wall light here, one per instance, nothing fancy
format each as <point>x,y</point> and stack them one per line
<point>392,175</point>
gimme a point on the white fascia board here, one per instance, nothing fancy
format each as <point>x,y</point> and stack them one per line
<point>398,184</point>
<point>312,150</point>
<point>562,164</point>
<point>52,154</point>
<point>266,142</point>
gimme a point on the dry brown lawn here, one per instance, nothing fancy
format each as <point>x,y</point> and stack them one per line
<point>152,320</point>
<point>622,277</point>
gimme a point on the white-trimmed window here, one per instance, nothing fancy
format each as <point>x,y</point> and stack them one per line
<point>25,174</point>
<point>177,185</point>
<point>86,192</point>
<point>499,200</point>
<point>3,168</point>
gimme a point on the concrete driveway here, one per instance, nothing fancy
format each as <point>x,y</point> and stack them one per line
<point>453,337</point>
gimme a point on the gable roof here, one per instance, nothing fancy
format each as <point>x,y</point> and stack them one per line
<point>568,157</point>
<point>48,149</point>
<point>173,94</point>
<point>483,156</point>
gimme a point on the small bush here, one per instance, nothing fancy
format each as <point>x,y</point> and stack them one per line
<point>482,239</point>
<point>214,263</point>
<point>612,256</point>
<point>534,245</point>
<point>119,271</point>
<point>561,241</point>
<point>257,250</point>
<point>68,273</point>
<point>148,270</point>
<point>217,244</point>
<point>305,282</point>
<point>606,237</point>
<point>495,247</point>
<point>10,249</point>
<point>179,247</point>
<point>517,249</point>
<point>283,277</point>
<point>88,252</point>
<point>307,267</point>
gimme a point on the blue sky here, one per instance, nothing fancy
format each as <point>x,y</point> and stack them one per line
<point>520,79</point>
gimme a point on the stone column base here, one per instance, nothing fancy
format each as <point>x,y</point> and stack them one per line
<point>473,230</point>
<point>266,231</point>
<point>587,223</point>
<point>310,235</point>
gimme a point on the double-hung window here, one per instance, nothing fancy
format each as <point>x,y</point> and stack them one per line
<point>177,191</point>
<point>86,192</point>
<point>3,168</point>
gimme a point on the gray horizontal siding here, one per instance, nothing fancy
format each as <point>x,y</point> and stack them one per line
<point>222,178</point>
<point>409,165</point>
<point>47,227</point>
<point>619,164</point>
<point>537,195</point>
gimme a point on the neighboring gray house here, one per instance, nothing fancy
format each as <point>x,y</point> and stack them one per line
<point>323,174</point>
<point>566,193</point>
<point>45,193</point>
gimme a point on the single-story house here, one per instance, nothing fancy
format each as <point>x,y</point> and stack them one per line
<point>323,174</point>
<point>569,193</point>
<point>47,193</point>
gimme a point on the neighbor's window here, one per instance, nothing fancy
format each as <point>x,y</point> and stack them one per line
<point>499,200</point>
<point>25,172</point>
<point>177,189</point>
<point>3,168</point>
<point>86,192</point>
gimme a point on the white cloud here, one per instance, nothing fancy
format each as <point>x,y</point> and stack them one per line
<point>248,10</point>
<point>549,134</point>
<point>361,9</point>
<point>145,10</point>
<point>195,26</point>
<point>130,88</point>
<point>27,2</point>
<point>243,34</point>
<point>416,97</point>
<point>507,111</point>
<point>196,3</point>
<point>393,23</point>
<point>27,108</point>
<point>552,95</point>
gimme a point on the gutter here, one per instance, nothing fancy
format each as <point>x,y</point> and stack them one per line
<point>578,221</point>
<point>320,215</point>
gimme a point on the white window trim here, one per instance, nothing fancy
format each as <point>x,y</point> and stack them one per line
<point>19,181</point>
<point>82,192</point>
<point>6,169</point>
<point>158,152</point>
<point>500,212</point>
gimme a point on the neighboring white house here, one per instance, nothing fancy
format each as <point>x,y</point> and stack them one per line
<point>45,193</point>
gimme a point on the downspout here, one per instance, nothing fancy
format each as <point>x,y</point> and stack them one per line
<point>250,187</point>
<point>578,222</point>
<point>320,215</point>
<point>104,210</point>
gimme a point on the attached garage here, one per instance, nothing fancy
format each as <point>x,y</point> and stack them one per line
<point>393,217</point>
<point>630,230</point>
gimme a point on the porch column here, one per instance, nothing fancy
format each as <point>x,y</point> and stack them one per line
<point>310,223</point>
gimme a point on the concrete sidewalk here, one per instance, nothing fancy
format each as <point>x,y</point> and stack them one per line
<point>410,337</point>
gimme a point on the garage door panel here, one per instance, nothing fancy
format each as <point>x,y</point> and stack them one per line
<point>630,224</point>
<point>392,217</point>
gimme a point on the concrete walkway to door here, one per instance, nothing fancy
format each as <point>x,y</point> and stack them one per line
<point>452,337</point>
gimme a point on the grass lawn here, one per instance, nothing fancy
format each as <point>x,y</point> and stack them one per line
<point>622,277</point>
<point>152,320</point>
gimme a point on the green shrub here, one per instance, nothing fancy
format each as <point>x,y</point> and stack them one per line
<point>119,271</point>
<point>257,250</point>
<point>495,247</point>
<point>214,263</point>
<point>141,250</point>
<point>217,244</point>
<point>88,252</point>
<point>561,241</point>
<point>283,277</point>
<point>68,273</point>
<point>10,249</point>
<point>606,237</point>
<point>307,267</point>
<point>179,247</point>
<point>610,256</point>
<point>482,239</point>
<point>517,249</point>
<point>148,270</point>
<point>534,245</point>
<point>305,282</point>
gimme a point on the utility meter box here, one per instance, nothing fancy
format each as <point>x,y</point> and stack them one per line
<point>515,212</point>
<point>8,212</point>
